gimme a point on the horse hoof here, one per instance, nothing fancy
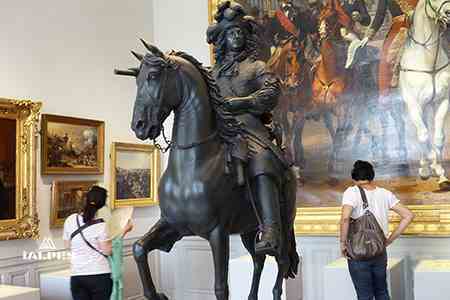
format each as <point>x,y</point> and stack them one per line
<point>444,185</point>
<point>161,296</point>
<point>424,174</point>
<point>424,177</point>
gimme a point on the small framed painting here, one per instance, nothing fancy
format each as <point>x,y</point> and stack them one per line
<point>68,197</point>
<point>72,145</point>
<point>135,171</point>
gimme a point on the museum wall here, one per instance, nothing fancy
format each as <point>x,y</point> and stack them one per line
<point>181,25</point>
<point>63,53</point>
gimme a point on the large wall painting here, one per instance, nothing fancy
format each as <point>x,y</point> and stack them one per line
<point>354,89</point>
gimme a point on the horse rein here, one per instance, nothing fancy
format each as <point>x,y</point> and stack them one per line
<point>435,70</point>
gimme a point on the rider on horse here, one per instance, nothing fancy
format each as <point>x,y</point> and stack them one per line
<point>394,41</point>
<point>251,93</point>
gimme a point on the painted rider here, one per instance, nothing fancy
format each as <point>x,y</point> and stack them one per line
<point>289,21</point>
<point>358,11</point>
<point>251,93</point>
<point>400,11</point>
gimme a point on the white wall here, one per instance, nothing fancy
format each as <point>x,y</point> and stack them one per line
<point>63,53</point>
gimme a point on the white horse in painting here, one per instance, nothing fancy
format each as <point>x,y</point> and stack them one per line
<point>424,83</point>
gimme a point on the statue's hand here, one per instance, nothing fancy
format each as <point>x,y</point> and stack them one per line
<point>237,105</point>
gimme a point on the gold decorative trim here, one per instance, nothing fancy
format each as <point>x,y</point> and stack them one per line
<point>26,223</point>
<point>430,220</point>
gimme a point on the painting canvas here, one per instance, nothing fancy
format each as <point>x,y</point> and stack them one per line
<point>71,145</point>
<point>7,168</point>
<point>68,197</point>
<point>342,101</point>
<point>135,172</point>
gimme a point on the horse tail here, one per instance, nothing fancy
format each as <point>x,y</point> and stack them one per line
<point>294,258</point>
<point>290,199</point>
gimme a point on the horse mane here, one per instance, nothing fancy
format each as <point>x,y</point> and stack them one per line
<point>227,124</point>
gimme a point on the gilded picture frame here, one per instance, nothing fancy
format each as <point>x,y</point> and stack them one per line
<point>432,214</point>
<point>72,145</point>
<point>135,172</point>
<point>68,197</point>
<point>25,224</point>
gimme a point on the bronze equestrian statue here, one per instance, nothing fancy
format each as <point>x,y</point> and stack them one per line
<point>199,192</point>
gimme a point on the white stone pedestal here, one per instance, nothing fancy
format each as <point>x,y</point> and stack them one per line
<point>240,280</point>
<point>10,292</point>
<point>432,280</point>
<point>56,285</point>
<point>338,284</point>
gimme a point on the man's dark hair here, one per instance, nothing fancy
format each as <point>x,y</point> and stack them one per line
<point>362,170</point>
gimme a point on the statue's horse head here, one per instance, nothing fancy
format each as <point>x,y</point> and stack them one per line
<point>157,91</point>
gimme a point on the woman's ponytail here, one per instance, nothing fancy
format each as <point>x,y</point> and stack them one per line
<point>95,199</point>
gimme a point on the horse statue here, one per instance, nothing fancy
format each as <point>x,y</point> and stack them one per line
<point>197,197</point>
<point>424,84</point>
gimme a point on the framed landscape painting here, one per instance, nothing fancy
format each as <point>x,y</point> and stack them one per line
<point>72,145</point>
<point>135,171</point>
<point>339,105</point>
<point>68,197</point>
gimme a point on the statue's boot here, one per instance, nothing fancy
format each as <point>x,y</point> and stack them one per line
<point>269,242</point>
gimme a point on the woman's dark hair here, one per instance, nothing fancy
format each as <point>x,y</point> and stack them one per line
<point>95,199</point>
<point>363,170</point>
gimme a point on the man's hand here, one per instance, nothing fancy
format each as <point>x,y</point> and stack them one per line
<point>388,242</point>
<point>344,252</point>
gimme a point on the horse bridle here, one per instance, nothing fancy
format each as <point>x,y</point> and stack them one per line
<point>168,142</point>
<point>425,45</point>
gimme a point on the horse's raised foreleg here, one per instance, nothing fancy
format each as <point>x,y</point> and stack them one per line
<point>438,143</point>
<point>248,240</point>
<point>219,241</point>
<point>161,236</point>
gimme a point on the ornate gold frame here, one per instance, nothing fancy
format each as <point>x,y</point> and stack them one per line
<point>57,188</point>
<point>154,156</point>
<point>100,125</point>
<point>26,223</point>
<point>430,220</point>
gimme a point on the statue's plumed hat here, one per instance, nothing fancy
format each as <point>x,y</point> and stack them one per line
<point>229,14</point>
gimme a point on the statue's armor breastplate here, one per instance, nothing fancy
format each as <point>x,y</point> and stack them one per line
<point>241,85</point>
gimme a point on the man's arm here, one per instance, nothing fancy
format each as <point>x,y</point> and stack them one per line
<point>261,101</point>
<point>406,218</point>
<point>378,19</point>
<point>345,223</point>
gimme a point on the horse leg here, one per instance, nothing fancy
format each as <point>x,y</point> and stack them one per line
<point>277,290</point>
<point>248,240</point>
<point>299,152</point>
<point>416,115</point>
<point>219,241</point>
<point>161,236</point>
<point>438,143</point>
<point>397,116</point>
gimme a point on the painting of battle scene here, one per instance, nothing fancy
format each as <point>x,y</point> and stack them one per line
<point>68,197</point>
<point>362,79</point>
<point>134,174</point>
<point>7,169</point>
<point>72,145</point>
